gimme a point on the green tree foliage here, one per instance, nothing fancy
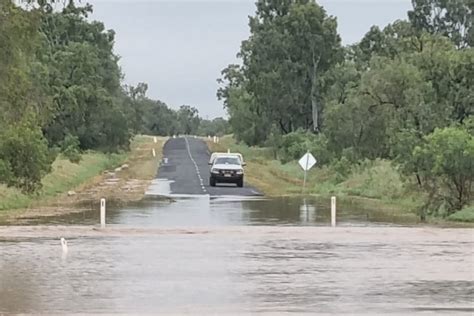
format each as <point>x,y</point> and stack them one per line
<point>215,127</point>
<point>294,145</point>
<point>292,44</point>
<point>70,148</point>
<point>84,80</point>
<point>450,18</point>
<point>445,161</point>
<point>24,156</point>
<point>403,93</point>
<point>189,120</point>
<point>60,87</point>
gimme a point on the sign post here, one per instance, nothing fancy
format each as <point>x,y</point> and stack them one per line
<point>306,162</point>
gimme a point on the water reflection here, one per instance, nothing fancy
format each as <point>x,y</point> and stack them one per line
<point>226,211</point>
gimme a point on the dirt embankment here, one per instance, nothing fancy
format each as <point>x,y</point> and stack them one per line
<point>123,184</point>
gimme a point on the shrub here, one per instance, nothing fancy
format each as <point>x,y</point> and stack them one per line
<point>70,148</point>
<point>342,167</point>
<point>26,157</point>
<point>464,215</point>
<point>294,145</point>
<point>445,163</point>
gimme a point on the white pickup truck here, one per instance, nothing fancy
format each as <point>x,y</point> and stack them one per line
<point>226,168</point>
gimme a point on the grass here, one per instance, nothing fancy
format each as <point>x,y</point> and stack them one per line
<point>67,176</point>
<point>375,185</point>
<point>143,166</point>
<point>64,177</point>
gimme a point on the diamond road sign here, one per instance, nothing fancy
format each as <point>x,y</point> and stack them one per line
<point>307,161</point>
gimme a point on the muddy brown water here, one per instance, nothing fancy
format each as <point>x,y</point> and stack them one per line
<point>230,211</point>
<point>235,256</point>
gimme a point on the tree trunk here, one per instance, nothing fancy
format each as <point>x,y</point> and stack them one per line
<point>314,93</point>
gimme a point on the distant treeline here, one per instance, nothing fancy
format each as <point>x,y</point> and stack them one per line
<point>61,91</point>
<point>403,93</point>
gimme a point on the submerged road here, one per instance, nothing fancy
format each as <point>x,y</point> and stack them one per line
<point>187,170</point>
<point>232,255</point>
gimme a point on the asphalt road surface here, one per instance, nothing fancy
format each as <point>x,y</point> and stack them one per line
<point>187,170</point>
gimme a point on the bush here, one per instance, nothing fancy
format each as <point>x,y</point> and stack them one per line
<point>464,215</point>
<point>70,148</point>
<point>445,165</point>
<point>5,171</point>
<point>294,145</point>
<point>25,157</point>
<point>342,167</point>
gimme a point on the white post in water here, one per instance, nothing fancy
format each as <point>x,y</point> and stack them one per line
<point>102,213</point>
<point>153,152</point>
<point>333,211</point>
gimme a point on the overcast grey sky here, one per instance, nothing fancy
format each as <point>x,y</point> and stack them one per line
<point>179,47</point>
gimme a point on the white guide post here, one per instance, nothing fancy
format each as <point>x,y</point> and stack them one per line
<point>153,152</point>
<point>155,139</point>
<point>102,213</point>
<point>333,211</point>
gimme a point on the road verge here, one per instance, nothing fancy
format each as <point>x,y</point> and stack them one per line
<point>120,178</point>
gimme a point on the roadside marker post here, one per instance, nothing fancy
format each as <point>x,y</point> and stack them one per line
<point>333,211</point>
<point>153,152</point>
<point>306,162</point>
<point>155,140</point>
<point>102,213</point>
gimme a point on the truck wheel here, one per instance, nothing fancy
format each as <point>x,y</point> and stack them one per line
<point>212,182</point>
<point>240,183</point>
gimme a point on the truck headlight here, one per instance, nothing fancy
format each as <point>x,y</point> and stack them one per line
<point>240,171</point>
<point>214,171</point>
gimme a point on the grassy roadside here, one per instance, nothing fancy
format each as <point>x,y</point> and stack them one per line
<point>95,176</point>
<point>375,186</point>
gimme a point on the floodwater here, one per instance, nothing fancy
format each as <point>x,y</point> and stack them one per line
<point>231,211</point>
<point>236,256</point>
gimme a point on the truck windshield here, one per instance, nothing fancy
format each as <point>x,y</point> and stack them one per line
<point>227,161</point>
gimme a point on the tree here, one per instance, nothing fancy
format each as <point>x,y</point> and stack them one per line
<point>450,18</point>
<point>83,79</point>
<point>24,156</point>
<point>446,162</point>
<point>188,119</point>
<point>216,127</point>
<point>137,96</point>
<point>292,44</point>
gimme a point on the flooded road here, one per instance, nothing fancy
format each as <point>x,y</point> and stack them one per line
<point>231,211</point>
<point>206,256</point>
<point>242,271</point>
<point>231,251</point>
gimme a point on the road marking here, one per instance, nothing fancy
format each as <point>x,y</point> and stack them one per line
<point>195,165</point>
